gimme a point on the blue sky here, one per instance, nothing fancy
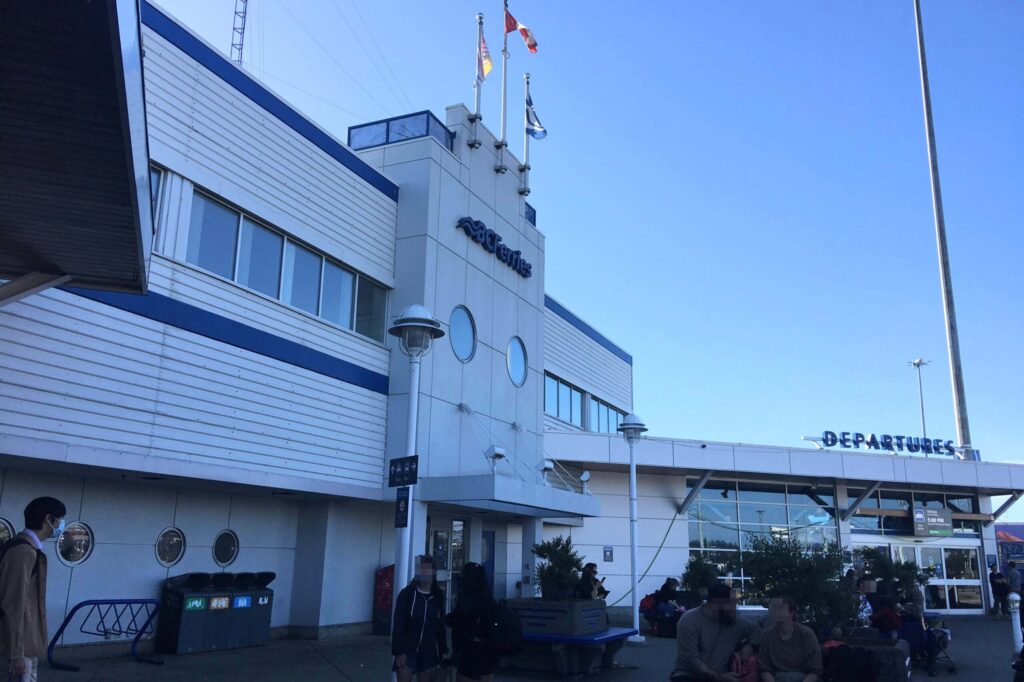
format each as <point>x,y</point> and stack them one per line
<point>735,192</point>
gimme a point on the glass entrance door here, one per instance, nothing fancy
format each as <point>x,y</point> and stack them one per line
<point>956,585</point>
<point>448,548</point>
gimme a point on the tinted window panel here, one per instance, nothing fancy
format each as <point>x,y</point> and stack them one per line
<point>371,308</point>
<point>551,396</point>
<point>259,260</point>
<point>302,278</point>
<point>577,408</point>
<point>339,293</point>
<point>564,402</point>
<point>594,421</point>
<point>212,236</point>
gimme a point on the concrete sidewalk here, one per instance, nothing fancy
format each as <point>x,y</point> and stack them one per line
<point>980,646</point>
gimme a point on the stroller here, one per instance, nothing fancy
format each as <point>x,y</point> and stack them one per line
<point>936,646</point>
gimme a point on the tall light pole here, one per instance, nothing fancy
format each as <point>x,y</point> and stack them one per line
<point>963,429</point>
<point>632,429</point>
<point>918,363</point>
<point>417,328</point>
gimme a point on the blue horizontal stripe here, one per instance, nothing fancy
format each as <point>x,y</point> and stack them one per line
<point>169,311</point>
<point>560,310</point>
<point>239,80</point>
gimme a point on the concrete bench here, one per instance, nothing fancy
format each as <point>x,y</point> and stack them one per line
<point>571,654</point>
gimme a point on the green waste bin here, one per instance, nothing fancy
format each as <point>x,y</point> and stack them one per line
<point>183,608</point>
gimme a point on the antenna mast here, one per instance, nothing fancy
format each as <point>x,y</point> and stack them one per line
<point>238,32</point>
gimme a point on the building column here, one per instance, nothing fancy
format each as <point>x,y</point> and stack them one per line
<point>475,539</point>
<point>533,533</point>
<point>842,502</point>
<point>419,531</point>
<point>989,545</point>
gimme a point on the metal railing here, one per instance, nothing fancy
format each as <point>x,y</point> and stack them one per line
<point>111,618</point>
<point>398,129</point>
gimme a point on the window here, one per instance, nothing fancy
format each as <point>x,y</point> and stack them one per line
<point>212,236</point>
<point>339,295</point>
<point>170,546</point>
<point>462,333</point>
<point>517,361</point>
<point>225,548</point>
<point>371,308</point>
<point>563,401</point>
<point>259,258</point>
<point>237,247</point>
<point>301,286</point>
<point>75,544</point>
<point>6,530</point>
<point>154,189</point>
<point>603,417</point>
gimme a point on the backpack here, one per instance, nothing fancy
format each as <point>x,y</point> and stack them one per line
<point>647,603</point>
<point>849,664</point>
<point>505,629</point>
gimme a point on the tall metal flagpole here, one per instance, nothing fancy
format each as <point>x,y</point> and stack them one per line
<point>502,143</point>
<point>963,429</point>
<point>474,142</point>
<point>525,167</point>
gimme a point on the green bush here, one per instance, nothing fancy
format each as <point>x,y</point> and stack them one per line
<point>905,578</point>
<point>779,565</point>
<point>559,568</point>
<point>700,575</point>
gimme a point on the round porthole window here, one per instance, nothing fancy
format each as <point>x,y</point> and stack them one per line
<point>517,361</point>
<point>75,544</point>
<point>225,548</point>
<point>170,546</point>
<point>462,333</point>
<point>6,530</point>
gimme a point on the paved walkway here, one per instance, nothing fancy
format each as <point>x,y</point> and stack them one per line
<point>981,647</point>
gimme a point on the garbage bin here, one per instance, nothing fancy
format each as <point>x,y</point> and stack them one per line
<point>218,612</point>
<point>262,604</point>
<point>240,615</point>
<point>182,619</point>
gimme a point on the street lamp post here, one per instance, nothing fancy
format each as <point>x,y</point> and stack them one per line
<point>417,328</point>
<point>632,429</point>
<point>918,364</point>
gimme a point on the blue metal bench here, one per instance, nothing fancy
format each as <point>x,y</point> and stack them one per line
<point>576,654</point>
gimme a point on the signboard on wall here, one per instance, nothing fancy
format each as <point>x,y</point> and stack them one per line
<point>403,471</point>
<point>934,523</point>
<point>402,508</point>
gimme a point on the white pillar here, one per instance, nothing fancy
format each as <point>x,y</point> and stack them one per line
<point>1018,640</point>
<point>533,532</point>
<point>404,551</point>
<point>633,544</point>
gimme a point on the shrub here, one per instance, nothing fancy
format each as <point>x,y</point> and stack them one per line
<point>559,568</point>
<point>700,575</point>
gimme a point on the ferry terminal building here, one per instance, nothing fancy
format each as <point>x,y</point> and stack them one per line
<point>242,414</point>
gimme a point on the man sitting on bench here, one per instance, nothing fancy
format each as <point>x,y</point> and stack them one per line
<point>707,636</point>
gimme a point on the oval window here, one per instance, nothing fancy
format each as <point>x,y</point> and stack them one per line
<point>170,546</point>
<point>517,361</point>
<point>462,332</point>
<point>225,547</point>
<point>75,544</point>
<point>6,530</point>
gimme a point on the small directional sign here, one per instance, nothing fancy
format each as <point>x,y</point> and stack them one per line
<point>403,471</point>
<point>402,508</point>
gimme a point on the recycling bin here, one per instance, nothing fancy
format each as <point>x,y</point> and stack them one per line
<point>262,605</point>
<point>218,612</point>
<point>181,625</point>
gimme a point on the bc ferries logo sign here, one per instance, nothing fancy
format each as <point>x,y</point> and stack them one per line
<point>490,241</point>
<point>846,439</point>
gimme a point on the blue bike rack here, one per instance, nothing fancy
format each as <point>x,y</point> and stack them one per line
<point>111,618</point>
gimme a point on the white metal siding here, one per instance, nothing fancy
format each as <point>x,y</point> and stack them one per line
<point>83,373</point>
<point>572,355</point>
<point>204,129</point>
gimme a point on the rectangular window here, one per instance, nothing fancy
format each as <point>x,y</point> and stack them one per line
<point>339,295</point>
<point>603,416</point>
<point>259,258</point>
<point>576,417</point>
<point>594,409</point>
<point>371,309</point>
<point>212,236</point>
<point>550,395</point>
<point>154,189</point>
<point>564,402</point>
<point>301,278</point>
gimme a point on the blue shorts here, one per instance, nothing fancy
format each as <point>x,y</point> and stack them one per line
<point>424,660</point>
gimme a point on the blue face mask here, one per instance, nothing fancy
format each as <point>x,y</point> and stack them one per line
<point>57,530</point>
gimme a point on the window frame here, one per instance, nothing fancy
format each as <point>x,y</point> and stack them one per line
<point>574,391</point>
<point>472,328</point>
<point>238,547</point>
<point>181,555</point>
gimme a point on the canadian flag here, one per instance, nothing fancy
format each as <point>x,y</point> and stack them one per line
<point>512,25</point>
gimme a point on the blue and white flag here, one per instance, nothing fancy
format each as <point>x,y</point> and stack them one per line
<point>534,128</point>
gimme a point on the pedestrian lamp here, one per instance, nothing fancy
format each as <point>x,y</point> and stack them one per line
<point>632,429</point>
<point>416,327</point>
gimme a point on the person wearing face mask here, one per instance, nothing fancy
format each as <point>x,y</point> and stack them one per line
<point>418,638</point>
<point>706,638</point>
<point>23,589</point>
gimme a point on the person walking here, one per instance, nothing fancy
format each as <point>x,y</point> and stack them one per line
<point>1000,591</point>
<point>1014,577</point>
<point>471,621</point>
<point>23,589</point>
<point>418,638</point>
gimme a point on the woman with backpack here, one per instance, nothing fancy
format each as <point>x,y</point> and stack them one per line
<point>472,622</point>
<point>418,637</point>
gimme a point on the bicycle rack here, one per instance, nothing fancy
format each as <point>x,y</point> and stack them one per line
<point>111,618</point>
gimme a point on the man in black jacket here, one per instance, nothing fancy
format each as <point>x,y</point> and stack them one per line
<point>418,637</point>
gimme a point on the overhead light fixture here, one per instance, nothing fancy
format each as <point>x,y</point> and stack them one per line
<point>585,480</point>
<point>495,454</point>
<point>813,440</point>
